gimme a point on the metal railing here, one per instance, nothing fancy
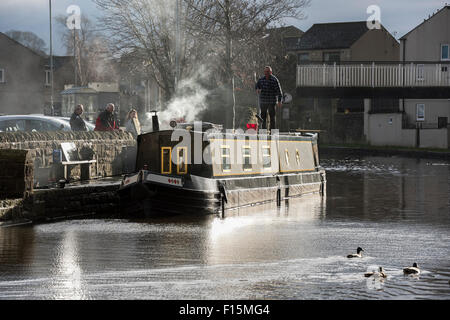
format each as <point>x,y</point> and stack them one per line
<point>374,75</point>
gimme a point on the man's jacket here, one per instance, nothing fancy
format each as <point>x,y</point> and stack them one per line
<point>77,123</point>
<point>106,122</point>
<point>270,90</point>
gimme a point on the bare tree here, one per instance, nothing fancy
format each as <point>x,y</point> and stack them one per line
<point>269,48</point>
<point>92,58</point>
<point>29,40</point>
<point>145,32</point>
<point>238,23</point>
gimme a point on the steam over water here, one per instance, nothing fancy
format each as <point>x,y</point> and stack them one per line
<point>396,209</point>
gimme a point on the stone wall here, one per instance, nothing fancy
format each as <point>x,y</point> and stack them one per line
<point>115,152</point>
<point>56,204</point>
<point>16,173</point>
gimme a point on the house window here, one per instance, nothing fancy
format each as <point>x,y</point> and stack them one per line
<point>181,160</point>
<point>246,154</point>
<point>2,75</point>
<point>445,54</point>
<point>267,161</point>
<point>332,57</point>
<point>420,111</point>
<point>419,71</point>
<point>302,57</point>
<point>48,77</point>
<point>166,163</point>
<point>225,154</point>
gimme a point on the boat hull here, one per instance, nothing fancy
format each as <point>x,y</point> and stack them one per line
<point>147,194</point>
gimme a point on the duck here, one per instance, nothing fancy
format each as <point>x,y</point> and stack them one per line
<point>358,253</point>
<point>412,270</point>
<point>380,273</point>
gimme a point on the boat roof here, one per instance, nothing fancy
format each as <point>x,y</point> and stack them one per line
<point>210,135</point>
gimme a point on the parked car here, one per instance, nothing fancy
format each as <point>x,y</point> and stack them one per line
<point>89,125</point>
<point>36,123</point>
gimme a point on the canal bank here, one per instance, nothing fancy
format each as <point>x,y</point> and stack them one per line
<point>386,151</point>
<point>30,174</point>
<point>93,199</point>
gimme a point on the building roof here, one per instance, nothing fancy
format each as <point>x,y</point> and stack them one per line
<point>287,32</point>
<point>292,43</point>
<point>290,36</point>
<point>18,43</point>
<point>337,35</point>
<point>426,20</point>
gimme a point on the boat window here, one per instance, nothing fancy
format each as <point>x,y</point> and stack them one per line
<point>286,156</point>
<point>267,164</point>
<point>297,157</point>
<point>166,156</point>
<point>246,154</point>
<point>181,160</point>
<point>225,154</point>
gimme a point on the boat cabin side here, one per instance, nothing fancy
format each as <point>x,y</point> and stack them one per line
<point>216,155</point>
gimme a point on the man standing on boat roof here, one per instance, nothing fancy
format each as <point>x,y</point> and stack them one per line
<point>269,91</point>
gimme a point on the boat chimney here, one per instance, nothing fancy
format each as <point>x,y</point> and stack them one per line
<point>155,121</point>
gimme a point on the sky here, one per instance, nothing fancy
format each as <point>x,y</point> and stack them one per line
<point>397,16</point>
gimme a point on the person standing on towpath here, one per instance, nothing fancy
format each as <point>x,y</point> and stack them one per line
<point>76,122</point>
<point>106,121</point>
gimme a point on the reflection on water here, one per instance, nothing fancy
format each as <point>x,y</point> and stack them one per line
<point>397,209</point>
<point>68,268</point>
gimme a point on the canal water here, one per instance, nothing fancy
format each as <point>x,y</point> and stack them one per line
<point>395,208</point>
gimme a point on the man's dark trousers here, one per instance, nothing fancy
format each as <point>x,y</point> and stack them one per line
<point>271,108</point>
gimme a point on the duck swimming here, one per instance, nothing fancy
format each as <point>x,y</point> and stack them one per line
<point>380,273</point>
<point>358,253</point>
<point>412,270</point>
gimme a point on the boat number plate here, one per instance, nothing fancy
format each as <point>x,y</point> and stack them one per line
<point>165,180</point>
<point>130,179</point>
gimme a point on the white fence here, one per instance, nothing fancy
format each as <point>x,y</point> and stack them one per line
<point>374,75</point>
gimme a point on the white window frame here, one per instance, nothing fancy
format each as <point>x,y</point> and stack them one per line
<point>48,74</point>
<point>448,52</point>
<point>418,105</point>
<point>2,78</point>
<point>267,165</point>
<point>226,155</point>
<point>247,155</point>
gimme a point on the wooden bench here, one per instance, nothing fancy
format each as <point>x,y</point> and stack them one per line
<point>85,168</point>
<point>69,150</point>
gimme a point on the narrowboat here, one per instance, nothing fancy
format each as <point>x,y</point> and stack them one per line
<point>200,169</point>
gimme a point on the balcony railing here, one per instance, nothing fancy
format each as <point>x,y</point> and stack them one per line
<point>374,75</point>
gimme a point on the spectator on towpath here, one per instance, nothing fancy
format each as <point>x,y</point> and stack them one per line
<point>132,123</point>
<point>76,122</point>
<point>106,121</point>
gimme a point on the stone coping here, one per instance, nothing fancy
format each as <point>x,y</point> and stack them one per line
<point>63,136</point>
